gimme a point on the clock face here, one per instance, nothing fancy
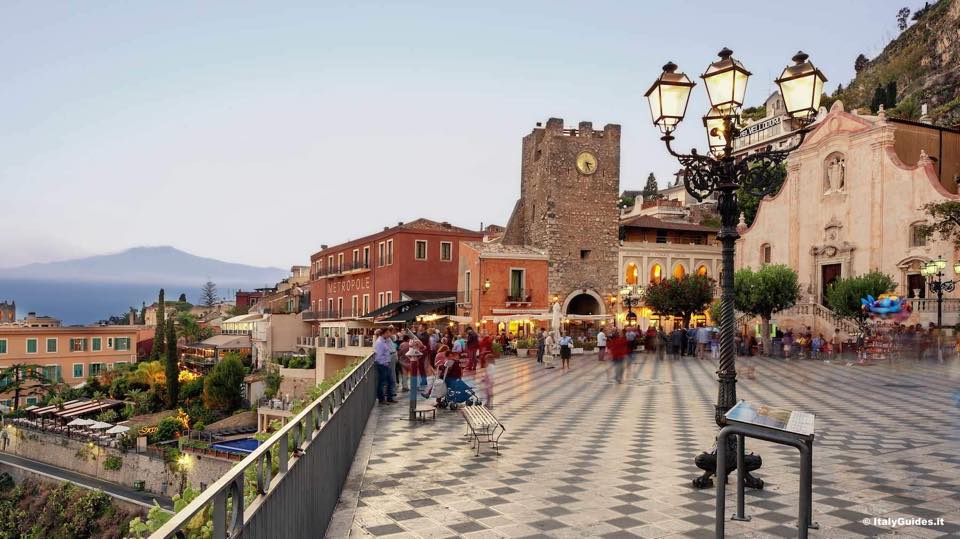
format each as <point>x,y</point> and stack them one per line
<point>586,163</point>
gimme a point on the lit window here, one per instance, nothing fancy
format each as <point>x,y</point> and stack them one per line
<point>656,274</point>
<point>679,271</point>
<point>632,273</point>
<point>703,271</point>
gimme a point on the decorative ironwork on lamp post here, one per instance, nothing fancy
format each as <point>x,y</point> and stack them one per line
<point>933,271</point>
<point>631,296</point>
<point>719,172</point>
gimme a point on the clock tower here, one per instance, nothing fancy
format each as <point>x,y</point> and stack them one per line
<point>569,188</point>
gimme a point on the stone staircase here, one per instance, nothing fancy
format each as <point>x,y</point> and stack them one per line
<point>822,319</point>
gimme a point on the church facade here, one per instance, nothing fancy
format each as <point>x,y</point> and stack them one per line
<point>851,204</point>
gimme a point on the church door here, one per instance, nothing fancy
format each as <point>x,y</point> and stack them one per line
<point>828,274</point>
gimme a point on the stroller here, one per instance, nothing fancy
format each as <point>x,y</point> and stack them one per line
<point>458,394</point>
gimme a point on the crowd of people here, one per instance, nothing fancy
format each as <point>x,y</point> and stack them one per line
<point>405,359</point>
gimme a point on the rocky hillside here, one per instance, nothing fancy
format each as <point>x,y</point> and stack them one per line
<point>923,62</point>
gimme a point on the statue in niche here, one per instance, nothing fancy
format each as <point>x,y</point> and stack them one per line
<point>836,172</point>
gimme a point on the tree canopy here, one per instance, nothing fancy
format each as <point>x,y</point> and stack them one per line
<point>772,288</point>
<point>946,221</point>
<point>749,203</point>
<point>683,296</point>
<point>763,292</point>
<point>844,295</point>
<point>221,388</point>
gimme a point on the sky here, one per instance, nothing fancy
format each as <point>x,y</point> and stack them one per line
<point>254,132</point>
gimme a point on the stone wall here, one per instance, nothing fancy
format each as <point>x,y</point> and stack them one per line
<point>86,459</point>
<point>570,215</point>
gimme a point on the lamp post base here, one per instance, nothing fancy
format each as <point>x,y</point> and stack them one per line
<point>707,461</point>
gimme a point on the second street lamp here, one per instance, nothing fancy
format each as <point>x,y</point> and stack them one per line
<point>719,172</point>
<point>933,271</point>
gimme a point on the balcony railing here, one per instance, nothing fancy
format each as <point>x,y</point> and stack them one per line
<point>338,269</point>
<point>314,451</point>
<point>275,404</point>
<point>334,314</point>
<point>521,295</point>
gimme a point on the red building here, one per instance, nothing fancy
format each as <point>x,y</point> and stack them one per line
<point>246,299</point>
<point>416,260</point>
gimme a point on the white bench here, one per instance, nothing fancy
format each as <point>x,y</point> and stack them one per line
<point>482,423</point>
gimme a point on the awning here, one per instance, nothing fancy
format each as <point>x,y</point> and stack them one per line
<point>407,315</point>
<point>224,342</point>
<point>387,309</point>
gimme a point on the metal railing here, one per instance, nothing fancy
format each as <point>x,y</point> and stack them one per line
<point>298,472</point>
<point>337,269</point>
<point>522,295</point>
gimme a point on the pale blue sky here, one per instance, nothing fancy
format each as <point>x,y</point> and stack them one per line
<point>256,131</point>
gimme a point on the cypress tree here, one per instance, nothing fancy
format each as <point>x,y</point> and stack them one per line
<point>879,98</point>
<point>172,367</point>
<point>651,191</point>
<point>143,313</point>
<point>891,95</point>
<point>158,332</point>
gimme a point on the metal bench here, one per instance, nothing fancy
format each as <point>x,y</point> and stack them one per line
<point>482,424</point>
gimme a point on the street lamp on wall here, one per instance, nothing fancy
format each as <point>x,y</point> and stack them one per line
<point>719,173</point>
<point>486,286</point>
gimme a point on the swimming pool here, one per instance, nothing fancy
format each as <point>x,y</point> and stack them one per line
<point>243,446</point>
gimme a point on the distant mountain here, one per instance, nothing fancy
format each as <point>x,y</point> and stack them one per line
<point>85,290</point>
<point>147,265</point>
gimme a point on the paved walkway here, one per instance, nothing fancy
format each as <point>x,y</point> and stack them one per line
<point>118,491</point>
<point>583,457</point>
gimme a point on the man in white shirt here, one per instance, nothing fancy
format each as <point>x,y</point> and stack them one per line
<point>601,344</point>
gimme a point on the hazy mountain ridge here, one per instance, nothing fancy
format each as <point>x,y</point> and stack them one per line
<point>147,265</point>
<point>923,61</point>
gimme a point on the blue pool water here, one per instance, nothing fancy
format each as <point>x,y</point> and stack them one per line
<point>242,446</point>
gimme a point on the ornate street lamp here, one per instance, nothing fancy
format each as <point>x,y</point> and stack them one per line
<point>631,298</point>
<point>933,271</point>
<point>720,173</point>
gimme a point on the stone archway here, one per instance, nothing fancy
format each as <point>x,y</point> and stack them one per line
<point>583,301</point>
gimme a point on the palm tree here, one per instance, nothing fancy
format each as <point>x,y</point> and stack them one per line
<point>58,401</point>
<point>14,377</point>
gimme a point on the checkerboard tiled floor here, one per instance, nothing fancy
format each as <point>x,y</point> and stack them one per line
<point>582,457</point>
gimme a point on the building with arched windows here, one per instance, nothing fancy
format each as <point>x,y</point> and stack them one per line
<point>851,204</point>
<point>653,248</point>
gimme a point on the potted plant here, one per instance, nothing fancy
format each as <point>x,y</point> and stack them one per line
<point>524,346</point>
<point>496,350</point>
